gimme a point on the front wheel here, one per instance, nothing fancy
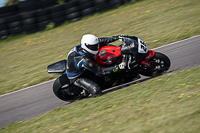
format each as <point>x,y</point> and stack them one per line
<point>64,90</point>
<point>160,64</point>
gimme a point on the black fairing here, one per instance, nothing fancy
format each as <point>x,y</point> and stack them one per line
<point>131,46</point>
<point>129,50</point>
<point>58,67</point>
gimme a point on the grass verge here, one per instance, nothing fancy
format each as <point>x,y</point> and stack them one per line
<point>157,22</point>
<point>164,104</point>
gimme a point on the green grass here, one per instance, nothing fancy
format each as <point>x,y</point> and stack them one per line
<point>24,59</point>
<point>164,104</point>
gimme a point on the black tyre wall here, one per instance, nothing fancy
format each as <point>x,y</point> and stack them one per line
<point>101,5</point>
<point>87,7</point>
<point>42,12</point>
<point>14,18</point>
<point>83,1</point>
<point>84,6</point>
<point>96,2</point>
<point>75,19</point>
<point>5,15</point>
<point>31,15</point>
<point>42,25</point>
<point>115,3</point>
<point>2,21</point>
<point>88,11</point>
<point>31,28</point>
<point>73,15</point>
<point>29,22</point>
<point>16,31</point>
<point>72,11</point>
<point>28,15</point>
<point>30,25</point>
<point>25,6</point>
<point>47,3</point>
<point>4,34</point>
<point>3,27</point>
<point>69,4</point>
<point>56,8</point>
<point>15,26</point>
<point>42,19</point>
<point>58,21</point>
<point>9,9</point>
<point>57,14</point>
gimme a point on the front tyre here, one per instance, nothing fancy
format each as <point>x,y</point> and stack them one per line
<point>160,64</point>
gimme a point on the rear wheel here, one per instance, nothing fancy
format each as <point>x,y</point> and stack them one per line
<point>64,90</point>
<point>160,64</point>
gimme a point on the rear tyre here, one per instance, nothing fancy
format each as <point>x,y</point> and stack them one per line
<point>62,89</point>
<point>160,64</point>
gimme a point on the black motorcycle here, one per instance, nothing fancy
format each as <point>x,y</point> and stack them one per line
<point>139,60</point>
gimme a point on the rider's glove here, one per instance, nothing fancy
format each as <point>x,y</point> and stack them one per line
<point>119,37</point>
<point>114,38</point>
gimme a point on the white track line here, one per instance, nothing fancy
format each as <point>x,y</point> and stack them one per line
<point>54,79</point>
<point>27,88</point>
<point>177,42</point>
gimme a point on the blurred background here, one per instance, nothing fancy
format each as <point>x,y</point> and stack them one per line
<point>29,16</point>
<point>2,2</point>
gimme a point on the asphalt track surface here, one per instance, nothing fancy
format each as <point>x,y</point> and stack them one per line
<point>36,100</point>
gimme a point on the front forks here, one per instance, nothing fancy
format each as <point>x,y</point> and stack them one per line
<point>150,54</point>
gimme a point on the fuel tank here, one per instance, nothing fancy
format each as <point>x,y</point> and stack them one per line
<point>108,55</point>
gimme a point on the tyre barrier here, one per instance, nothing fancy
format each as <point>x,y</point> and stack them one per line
<point>87,8</point>
<point>47,3</point>
<point>115,3</point>
<point>29,25</point>
<point>72,11</point>
<point>8,11</point>
<point>25,6</point>
<point>73,17</point>
<point>15,25</point>
<point>42,18</point>
<point>34,15</point>
<point>57,15</point>
<point>101,5</point>
<point>3,29</point>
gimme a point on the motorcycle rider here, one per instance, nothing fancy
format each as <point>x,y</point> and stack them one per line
<point>80,58</point>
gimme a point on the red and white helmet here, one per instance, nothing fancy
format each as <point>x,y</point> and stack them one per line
<point>90,43</point>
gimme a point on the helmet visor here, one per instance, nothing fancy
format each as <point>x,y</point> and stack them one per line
<point>93,47</point>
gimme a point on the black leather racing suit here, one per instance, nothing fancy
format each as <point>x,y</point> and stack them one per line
<point>78,60</point>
